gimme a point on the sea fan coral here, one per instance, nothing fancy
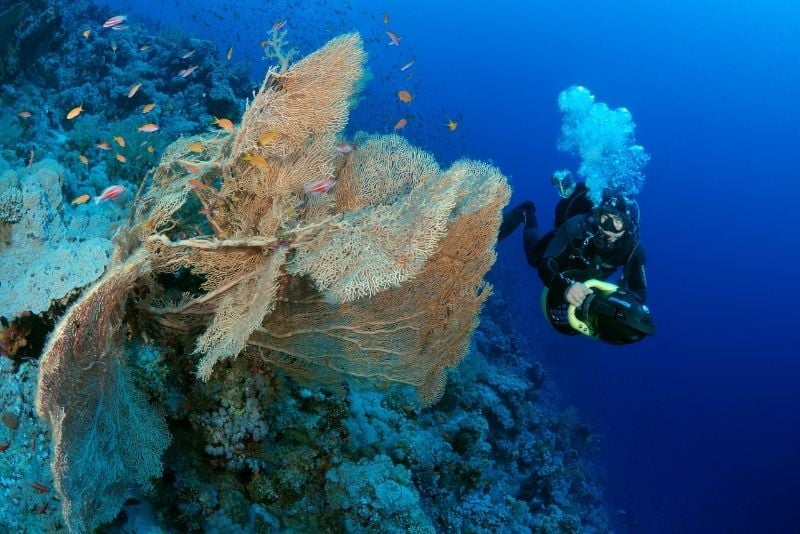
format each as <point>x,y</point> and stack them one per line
<point>382,283</point>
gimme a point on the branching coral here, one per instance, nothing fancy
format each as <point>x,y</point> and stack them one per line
<point>382,282</point>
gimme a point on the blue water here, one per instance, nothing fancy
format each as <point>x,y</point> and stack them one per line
<point>700,422</point>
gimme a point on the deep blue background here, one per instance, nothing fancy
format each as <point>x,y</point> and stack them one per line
<point>700,422</point>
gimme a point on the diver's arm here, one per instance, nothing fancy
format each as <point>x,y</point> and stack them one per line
<point>633,275</point>
<point>555,257</point>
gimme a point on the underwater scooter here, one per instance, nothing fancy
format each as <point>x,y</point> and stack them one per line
<point>609,314</point>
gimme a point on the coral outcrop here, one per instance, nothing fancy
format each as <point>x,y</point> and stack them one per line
<point>379,279</point>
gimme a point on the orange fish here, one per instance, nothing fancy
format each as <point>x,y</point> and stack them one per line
<point>120,140</point>
<point>400,124</point>
<point>322,185</point>
<point>405,96</point>
<point>230,53</point>
<point>452,125</point>
<point>25,114</point>
<point>74,112</point>
<point>87,32</point>
<point>224,123</point>
<point>195,147</point>
<point>148,107</point>
<point>407,65</point>
<point>196,184</point>
<point>395,39</point>
<point>83,159</point>
<point>147,128</point>
<point>102,145</point>
<point>186,72</point>
<point>256,161</point>
<point>132,91</point>
<point>120,158</point>
<point>114,21</point>
<point>268,137</point>
<point>83,199</point>
<point>110,193</point>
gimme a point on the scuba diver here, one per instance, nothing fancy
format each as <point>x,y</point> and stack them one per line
<point>587,245</point>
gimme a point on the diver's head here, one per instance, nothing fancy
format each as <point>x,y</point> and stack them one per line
<point>615,216</point>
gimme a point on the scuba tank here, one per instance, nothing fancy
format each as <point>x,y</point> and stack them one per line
<point>610,314</point>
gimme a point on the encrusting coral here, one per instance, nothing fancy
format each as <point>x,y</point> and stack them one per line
<point>379,279</point>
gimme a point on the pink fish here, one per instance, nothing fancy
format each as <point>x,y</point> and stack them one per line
<point>113,21</point>
<point>344,148</point>
<point>323,185</point>
<point>395,39</point>
<point>110,193</point>
<point>278,25</point>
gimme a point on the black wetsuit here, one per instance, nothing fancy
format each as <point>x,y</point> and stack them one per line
<point>571,249</point>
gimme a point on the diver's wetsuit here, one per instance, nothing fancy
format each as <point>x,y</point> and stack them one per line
<point>572,247</point>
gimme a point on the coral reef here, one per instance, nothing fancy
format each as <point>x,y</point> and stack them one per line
<point>338,389</point>
<point>393,312</point>
<point>53,248</point>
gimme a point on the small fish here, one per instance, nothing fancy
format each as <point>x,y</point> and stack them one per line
<point>74,112</point>
<point>268,137</point>
<point>405,96</point>
<point>323,185</point>
<point>113,21</point>
<point>120,140</point>
<point>386,17</point>
<point>189,166</point>
<point>195,147</point>
<point>188,54</point>
<point>120,27</point>
<point>86,33</point>
<point>132,91</point>
<point>83,159</point>
<point>344,148</point>
<point>256,161</point>
<point>41,488</point>
<point>25,114</point>
<point>144,48</point>
<point>83,199</point>
<point>148,128</point>
<point>109,193</point>
<point>407,65</point>
<point>279,25</point>
<point>102,145</point>
<point>120,158</point>
<point>395,39</point>
<point>400,124</point>
<point>223,123</point>
<point>186,72</point>
<point>148,107</point>
<point>452,125</point>
<point>114,47</point>
<point>230,53</point>
<point>4,446</point>
<point>196,184</point>
<point>150,149</point>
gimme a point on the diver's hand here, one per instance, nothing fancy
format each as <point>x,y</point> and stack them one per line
<point>576,294</point>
